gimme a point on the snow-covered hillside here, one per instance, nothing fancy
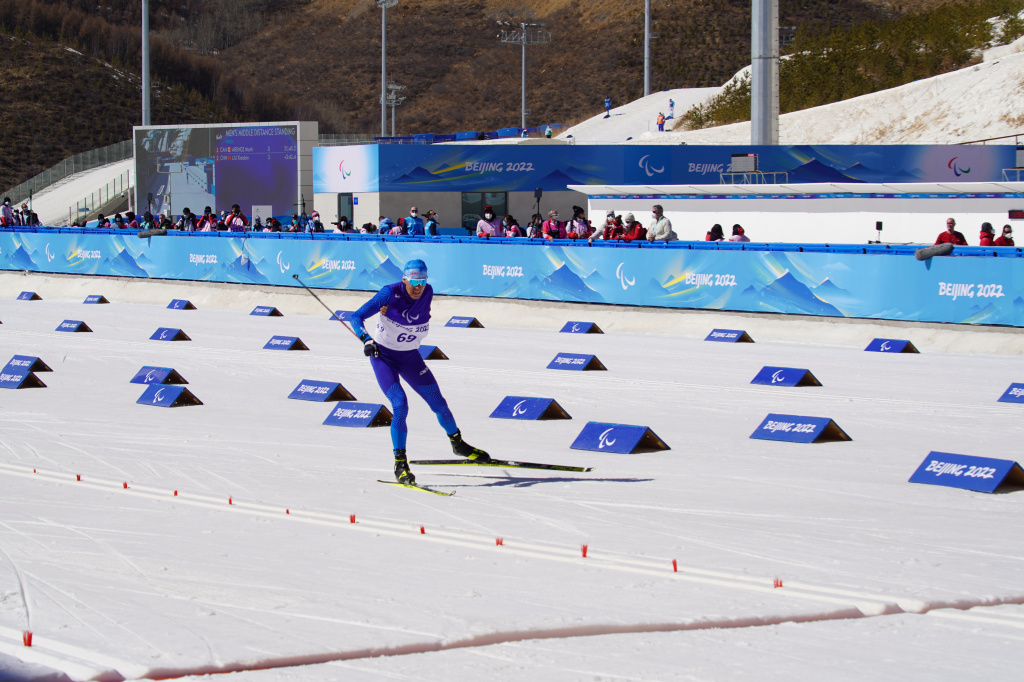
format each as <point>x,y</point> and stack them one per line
<point>975,103</point>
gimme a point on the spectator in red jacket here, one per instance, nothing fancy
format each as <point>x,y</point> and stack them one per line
<point>208,222</point>
<point>1006,238</point>
<point>987,236</point>
<point>511,226</point>
<point>553,228</point>
<point>633,229</point>
<point>951,236</point>
<point>715,234</point>
<point>236,222</point>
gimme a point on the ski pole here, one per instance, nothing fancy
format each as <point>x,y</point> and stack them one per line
<point>333,314</point>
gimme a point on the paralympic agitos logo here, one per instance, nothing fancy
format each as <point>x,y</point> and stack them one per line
<point>956,168</point>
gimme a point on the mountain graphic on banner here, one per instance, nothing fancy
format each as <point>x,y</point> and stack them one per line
<point>417,174</point>
<point>816,171</point>
<point>860,172</point>
<point>124,264</point>
<point>21,259</point>
<point>239,271</point>
<point>566,282</point>
<point>558,180</point>
<point>786,295</point>
<point>384,274</point>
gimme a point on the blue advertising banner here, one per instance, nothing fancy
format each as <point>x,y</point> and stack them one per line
<point>181,304</point>
<point>73,326</point>
<point>509,168</point>
<point>580,328</point>
<point>575,362</point>
<point>29,296</point>
<point>11,378</point>
<point>891,346</point>
<point>1013,394</point>
<point>520,407</point>
<point>266,311</point>
<point>797,429</point>
<point>432,353</point>
<point>464,322</point>
<point>158,395</point>
<point>980,474</point>
<point>158,375</point>
<point>785,376</point>
<point>27,363</point>
<point>169,334</point>
<point>729,336</point>
<point>320,391</point>
<point>964,289</point>
<point>359,415</point>
<point>95,298</point>
<point>285,343</point>
<point>621,438</point>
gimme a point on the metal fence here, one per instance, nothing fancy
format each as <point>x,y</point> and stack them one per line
<point>75,164</point>
<point>88,207</point>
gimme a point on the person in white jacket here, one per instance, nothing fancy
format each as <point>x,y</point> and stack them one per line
<point>661,227</point>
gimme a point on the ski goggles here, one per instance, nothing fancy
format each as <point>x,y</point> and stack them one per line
<point>417,282</point>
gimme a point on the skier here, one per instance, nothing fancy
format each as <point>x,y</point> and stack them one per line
<point>607,107</point>
<point>393,349</point>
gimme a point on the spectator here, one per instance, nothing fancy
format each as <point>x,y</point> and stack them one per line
<point>715,234</point>
<point>102,221</point>
<point>208,222</point>
<point>987,236</point>
<point>951,236</point>
<point>613,229</point>
<point>413,223</point>
<point>607,107</point>
<point>511,226</point>
<point>661,227</point>
<point>294,225</point>
<point>536,226</point>
<point>661,122</point>
<point>737,234</point>
<point>368,228</point>
<point>118,221</point>
<point>609,221</point>
<point>236,222</point>
<point>165,222</point>
<point>553,228</point>
<point>1006,238</point>
<point>274,224</point>
<point>187,221</point>
<point>671,109</point>
<point>578,227</point>
<point>7,213</point>
<point>314,221</point>
<point>257,225</point>
<point>130,222</point>
<point>489,225</point>
<point>634,231</point>
<point>343,224</point>
<point>384,225</point>
<point>431,227</point>
<point>547,132</point>
<point>147,222</point>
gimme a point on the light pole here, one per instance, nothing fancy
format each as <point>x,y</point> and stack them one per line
<point>145,64</point>
<point>394,101</point>
<point>647,47</point>
<point>526,33</point>
<point>384,4</point>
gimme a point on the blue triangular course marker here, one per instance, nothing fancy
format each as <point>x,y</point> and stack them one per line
<point>520,407</point>
<point>95,298</point>
<point>19,378</point>
<point>158,395</point>
<point>286,343</point>
<point>785,376</point>
<point>980,474</point>
<point>26,363</point>
<point>796,429</point>
<point>359,415</point>
<point>29,296</point>
<point>343,315</point>
<point>729,336</point>
<point>166,376</point>
<point>266,311</point>
<point>464,322</point>
<point>891,346</point>
<point>180,304</point>
<point>432,353</point>
<point>73,326</point>
<point>576,362</point>
<point>169,334</point>
<point>580,328</point>
<point>621,438</point>
<point>320,391</point>
<point>1014,394</point>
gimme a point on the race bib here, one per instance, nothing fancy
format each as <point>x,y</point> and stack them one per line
<point>396,336</point>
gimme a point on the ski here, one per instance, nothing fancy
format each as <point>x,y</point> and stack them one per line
<point>418,487</point>
<point>502,463</point>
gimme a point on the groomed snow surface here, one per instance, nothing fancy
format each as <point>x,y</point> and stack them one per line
<point>255,570</point>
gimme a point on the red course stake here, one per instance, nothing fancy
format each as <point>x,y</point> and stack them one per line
<point>125,485</point>
<point>583,548</point>
<point>675,567</point>
<point>499,541</point>
<point>175,493</point>
<point>778,582</point>
<point>351,518</point>
<point>422,531</point>
<point>229,501</point>
<point>26,637</point>
<point>287,511</point>
<point>78,477</point>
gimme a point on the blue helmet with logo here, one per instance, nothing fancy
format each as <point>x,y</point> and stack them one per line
<point>415,269</point>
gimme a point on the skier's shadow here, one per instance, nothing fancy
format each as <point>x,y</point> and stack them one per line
<point>526,482</point>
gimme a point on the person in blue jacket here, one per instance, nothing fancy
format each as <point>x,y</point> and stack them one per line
<point>393,349</point>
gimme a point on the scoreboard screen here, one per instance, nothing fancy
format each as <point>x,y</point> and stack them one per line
<point>217,166</point>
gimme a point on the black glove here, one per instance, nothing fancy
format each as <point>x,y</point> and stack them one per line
<point>370,348</point>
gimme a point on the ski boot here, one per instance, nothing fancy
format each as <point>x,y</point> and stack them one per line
<point>402,473</point>
<point>464,449</point>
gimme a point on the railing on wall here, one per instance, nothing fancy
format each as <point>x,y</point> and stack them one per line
<point>87,207</point>
<point>94,158</point>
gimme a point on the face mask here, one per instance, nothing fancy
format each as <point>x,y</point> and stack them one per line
<point>413,213</point>
<point>489,216</point>
<point>654,216</point>
<point>554,217</point>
